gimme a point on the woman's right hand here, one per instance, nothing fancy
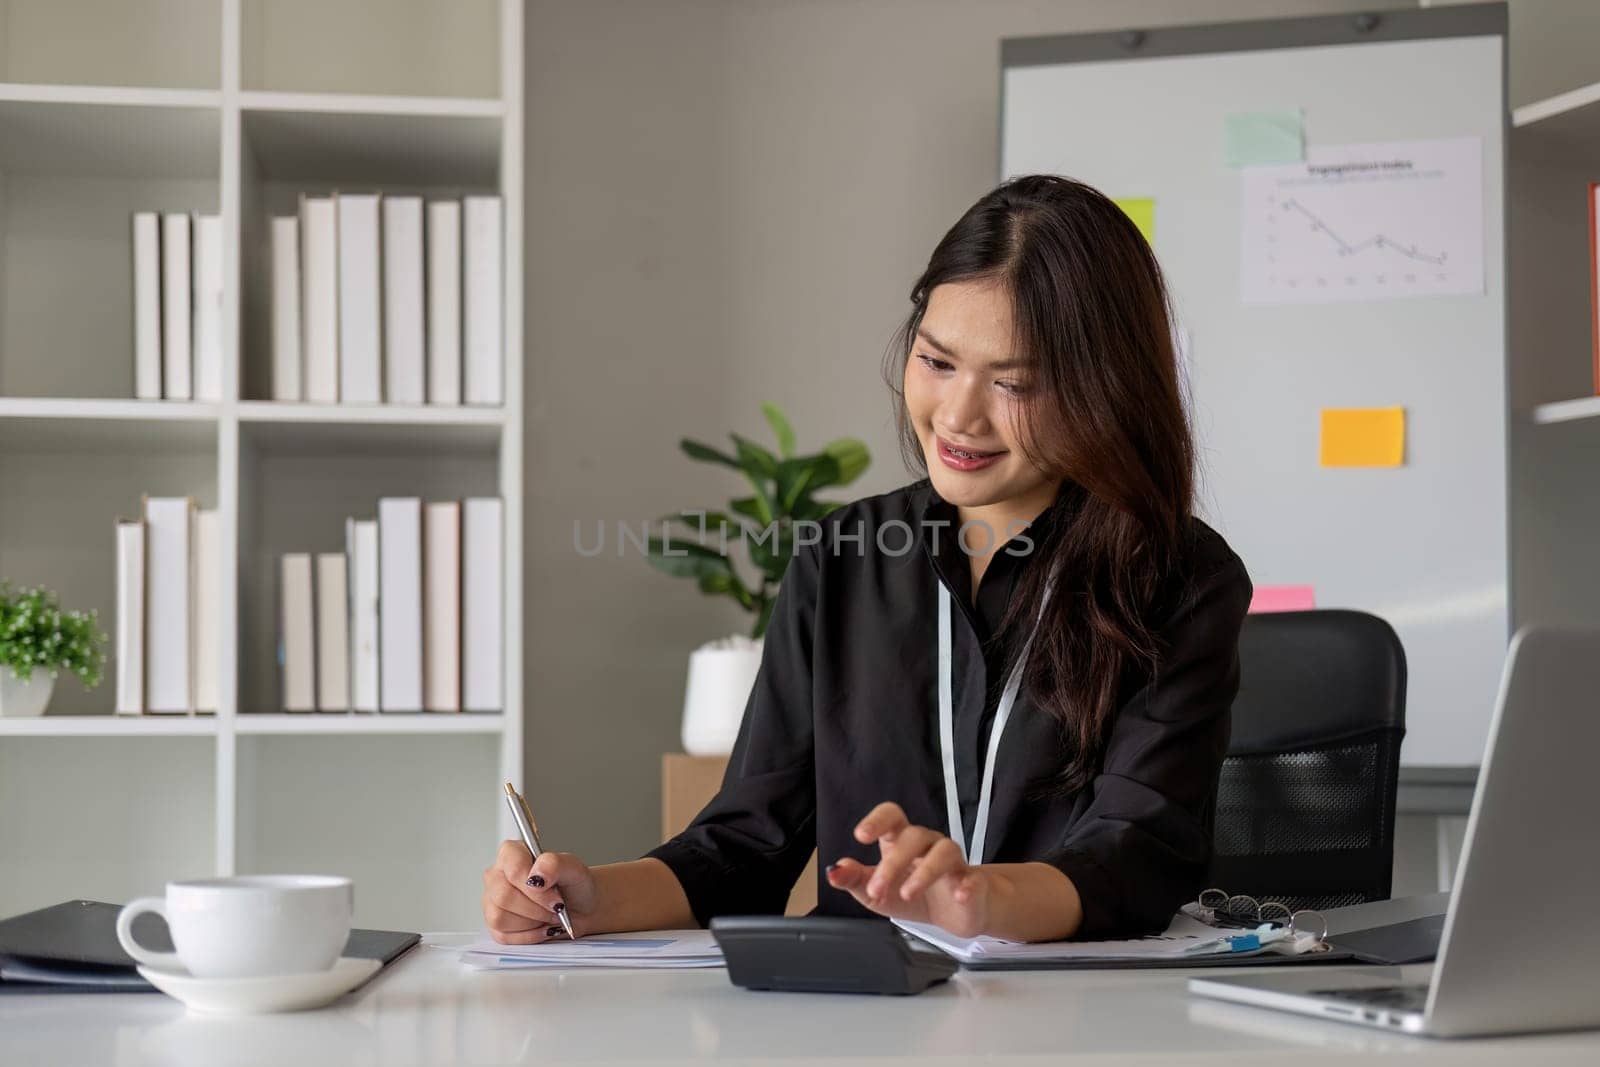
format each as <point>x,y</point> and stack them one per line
<point>522,897</point>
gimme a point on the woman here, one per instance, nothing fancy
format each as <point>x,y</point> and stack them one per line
<point>997,699</point>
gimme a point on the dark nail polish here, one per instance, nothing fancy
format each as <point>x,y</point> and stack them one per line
<point>830,868</point>
<point>537,881</point>
<point>555,931</point>
<point>558,907</point>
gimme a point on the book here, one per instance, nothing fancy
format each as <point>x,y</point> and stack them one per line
<point>177,374</point>
<point>207,609</point>
<point>146,305</point>
<point>400,604</point>
<point>483,315</point>
<point>333,633</point>
<point>286,309</point>
<point>444,302</point>
<point>441,606</point>
<point>169,605</point>
<point>482,606</point>
<point>130,616</point>
<point>319,300</point>
<point>361,564</point>
<point>296,635</point>
<point>208,308</point>
<point>402,300</point>
<point>360,300</point>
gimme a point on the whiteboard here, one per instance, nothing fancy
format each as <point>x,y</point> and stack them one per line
<point>1423,545</point>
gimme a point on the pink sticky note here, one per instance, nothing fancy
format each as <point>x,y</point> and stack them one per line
<point>1283,598</point>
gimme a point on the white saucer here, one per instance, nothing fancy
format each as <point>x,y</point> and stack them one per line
<point>257,996</point>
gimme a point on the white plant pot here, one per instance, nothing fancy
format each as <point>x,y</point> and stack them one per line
<point>19,698</point>
<point>719,686</point>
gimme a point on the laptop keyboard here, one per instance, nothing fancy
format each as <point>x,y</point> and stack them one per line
<point>1395,997</point>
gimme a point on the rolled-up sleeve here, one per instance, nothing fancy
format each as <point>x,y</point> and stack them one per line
<point>1140,848</point>
<point>742,854</point>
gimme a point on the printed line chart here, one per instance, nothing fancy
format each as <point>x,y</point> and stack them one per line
<point>1345,248</point>
<point>1364,222</point>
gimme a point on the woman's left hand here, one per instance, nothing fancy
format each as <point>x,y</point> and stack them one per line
<point>920,876</point>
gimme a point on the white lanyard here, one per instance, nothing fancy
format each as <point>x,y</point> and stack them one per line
<point>947,729</point>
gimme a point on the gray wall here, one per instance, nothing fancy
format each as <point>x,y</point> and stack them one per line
<point>1552,45</point>
<point>727,202</point>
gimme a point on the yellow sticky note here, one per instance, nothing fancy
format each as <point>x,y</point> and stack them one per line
<point>1142,210</point>
<point>1363,437</point>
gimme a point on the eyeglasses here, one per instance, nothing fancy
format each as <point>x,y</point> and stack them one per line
<point>1216,907</point>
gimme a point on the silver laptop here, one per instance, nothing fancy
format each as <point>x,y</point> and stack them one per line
<point>1521,942</point>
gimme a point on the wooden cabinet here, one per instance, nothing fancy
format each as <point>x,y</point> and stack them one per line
<point>687,783</point>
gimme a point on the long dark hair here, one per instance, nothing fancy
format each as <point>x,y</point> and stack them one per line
<point>1105,415</point>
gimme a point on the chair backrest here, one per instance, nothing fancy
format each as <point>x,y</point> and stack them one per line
<point>1305,803</point>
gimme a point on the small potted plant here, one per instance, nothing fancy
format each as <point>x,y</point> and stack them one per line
<point>721,672</point>
<point>37,641</point>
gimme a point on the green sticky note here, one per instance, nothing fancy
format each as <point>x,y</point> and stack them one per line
<point>1255,138</point>
<point>1142,210</point>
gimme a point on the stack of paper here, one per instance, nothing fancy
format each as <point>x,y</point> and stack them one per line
<point>1180,939</point>
<point>652,949</point>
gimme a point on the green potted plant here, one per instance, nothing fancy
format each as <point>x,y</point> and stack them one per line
<point>37,641</point>
<point>702,545</point>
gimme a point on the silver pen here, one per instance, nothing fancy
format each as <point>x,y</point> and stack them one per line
<point>523,817</point>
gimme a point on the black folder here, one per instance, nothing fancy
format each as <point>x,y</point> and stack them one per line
<point>73,948</point>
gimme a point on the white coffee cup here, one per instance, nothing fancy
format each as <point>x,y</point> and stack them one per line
<point>248,926</point>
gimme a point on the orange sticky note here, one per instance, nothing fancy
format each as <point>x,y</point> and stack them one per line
<point>1363,437</point>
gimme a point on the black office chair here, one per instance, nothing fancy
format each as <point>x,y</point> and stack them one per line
<point>1305,803</point>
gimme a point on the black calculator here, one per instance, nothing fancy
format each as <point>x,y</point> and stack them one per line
<point>813,954</point>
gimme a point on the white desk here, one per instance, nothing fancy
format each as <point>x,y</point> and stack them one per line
<point>428,1009</point>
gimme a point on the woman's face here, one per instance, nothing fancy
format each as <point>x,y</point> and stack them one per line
<point>965,388</point>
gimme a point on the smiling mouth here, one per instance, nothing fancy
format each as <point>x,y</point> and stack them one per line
<point>965,459</point>
<point>965,453</point>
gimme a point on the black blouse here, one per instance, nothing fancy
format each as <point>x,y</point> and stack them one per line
<point>844,715</point>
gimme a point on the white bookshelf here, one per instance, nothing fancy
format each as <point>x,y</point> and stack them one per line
<point>1555,154</point>
<point>1571,115</point>
<point>1565,130</point>
<point>308,723</point>
<point>237,107</point>
<point>1585,407</point>
<point>46,407</point>
<point>110,726</point>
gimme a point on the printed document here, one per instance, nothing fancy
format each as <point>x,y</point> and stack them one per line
<point>657,949</point>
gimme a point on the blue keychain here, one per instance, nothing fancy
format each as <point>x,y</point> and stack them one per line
<point>1252,941</point>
